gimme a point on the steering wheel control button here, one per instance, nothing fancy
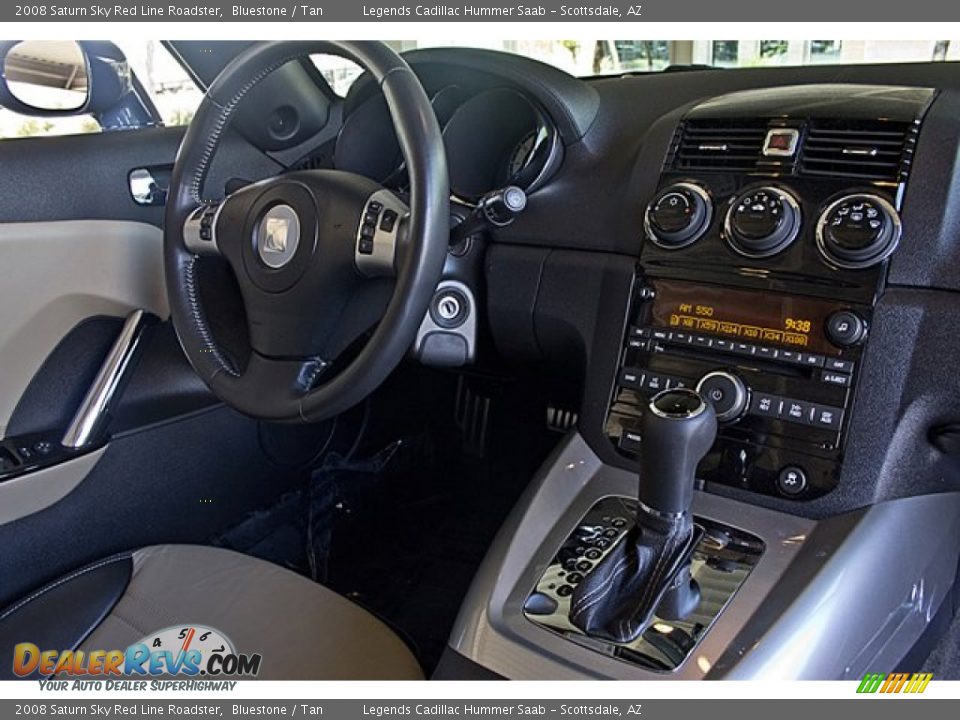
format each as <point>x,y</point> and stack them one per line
<point>762,222</point>
<point>377,234</point>
<point>388,220</point>
<point>792,481</point>
<point>727,394</point>
<point>858,231</point>
<point>845,328</point>
<point>678,215</point>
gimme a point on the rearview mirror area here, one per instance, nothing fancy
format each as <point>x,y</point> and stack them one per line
<point>55,78</point>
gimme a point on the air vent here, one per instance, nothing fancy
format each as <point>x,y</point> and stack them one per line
<point>877,150</point>
<point>719,145</point>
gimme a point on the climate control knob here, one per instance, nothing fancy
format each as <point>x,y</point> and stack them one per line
<point>678,215</point>
<point>858,231</point>
<point>726,392</point>
<point>762,222</point>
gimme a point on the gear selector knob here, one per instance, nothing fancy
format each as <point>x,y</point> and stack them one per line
<point>678,428</point>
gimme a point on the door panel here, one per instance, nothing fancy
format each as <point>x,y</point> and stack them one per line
<point>56,274</point>
<point>76,255</point>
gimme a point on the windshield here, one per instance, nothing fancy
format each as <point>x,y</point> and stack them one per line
<point>602,57</point>
<point>611,57</point>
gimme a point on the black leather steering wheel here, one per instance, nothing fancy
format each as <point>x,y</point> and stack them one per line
<point>312,250</point>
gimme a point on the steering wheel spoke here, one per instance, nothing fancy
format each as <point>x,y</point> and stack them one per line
<point>383,224</point>
<point>200,229</point>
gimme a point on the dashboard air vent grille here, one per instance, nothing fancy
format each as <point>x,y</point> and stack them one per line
<point>719,145</point>
<point>869,150</point>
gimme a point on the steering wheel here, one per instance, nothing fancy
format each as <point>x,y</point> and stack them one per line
<point>311,250</point>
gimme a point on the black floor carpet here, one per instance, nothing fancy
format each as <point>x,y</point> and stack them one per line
<point>401,532</point>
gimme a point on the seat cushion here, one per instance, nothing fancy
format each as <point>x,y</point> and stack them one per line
<point>302,630</point>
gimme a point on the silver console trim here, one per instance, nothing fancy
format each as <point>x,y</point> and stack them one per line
<point>89,416</point>
<point>824,602</point>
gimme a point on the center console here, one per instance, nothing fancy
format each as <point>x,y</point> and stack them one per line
<point>764,254</point>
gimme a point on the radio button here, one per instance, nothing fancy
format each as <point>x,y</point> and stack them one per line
<point>838,365</point>
<point>797,411</point>
<point>845,328</point>
<point>834,378</point>
<point>828,418</point>
<point>812,360</point>
<point>790,355</point>
<point>767,352</point>
<point>744,348</point>
<point>726,393</point>
<point>631,378</point>
<point>792,480</point>
<point>639,332</point>
<point>655,383</point>
<point>766,405</point>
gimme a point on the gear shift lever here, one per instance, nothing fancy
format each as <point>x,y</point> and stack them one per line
<point>678,428</point>
<point>619,596</point>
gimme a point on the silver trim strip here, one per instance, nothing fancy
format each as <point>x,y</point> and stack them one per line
<point>92,411</point>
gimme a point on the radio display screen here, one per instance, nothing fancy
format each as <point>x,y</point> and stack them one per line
<point>749,316</point>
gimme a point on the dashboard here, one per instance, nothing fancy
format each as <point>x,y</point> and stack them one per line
<point>784,239</point>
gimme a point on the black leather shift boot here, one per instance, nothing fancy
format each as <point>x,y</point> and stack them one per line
<point>616,600</point>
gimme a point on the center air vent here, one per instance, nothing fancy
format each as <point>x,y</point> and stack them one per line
<point>874,150</point>
<point>719,145</point>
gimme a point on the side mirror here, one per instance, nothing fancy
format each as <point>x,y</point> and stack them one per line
<point>55,78</point>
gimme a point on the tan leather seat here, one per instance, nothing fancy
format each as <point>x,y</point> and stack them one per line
<point>302,630</point>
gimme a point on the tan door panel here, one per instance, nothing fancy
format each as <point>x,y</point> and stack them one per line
<point>54,275</point>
